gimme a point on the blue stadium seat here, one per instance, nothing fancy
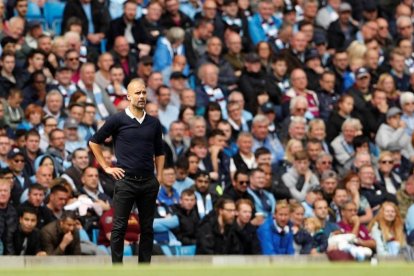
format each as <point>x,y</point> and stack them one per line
<point>178,250</point>
<point>53,14</point>
<point>34,14</point>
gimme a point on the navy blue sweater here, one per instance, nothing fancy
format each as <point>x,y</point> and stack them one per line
<point>135,143</point>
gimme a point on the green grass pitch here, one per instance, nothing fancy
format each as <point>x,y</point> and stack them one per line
<point>341,269</point>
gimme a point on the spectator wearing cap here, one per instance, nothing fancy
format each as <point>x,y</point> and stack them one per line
<point>145,68</point>
<point>21,181</point>
<point>72,141</point>
<point>125,25</point>
<point>392,132</point>
<point>327,95</point>
<point>328,14</point>
<point>102,76</point>
<point>94,17</point>
<point>361,92</point>
<point>313,68</point>
<point>63,83</point>
<point>370,10</point>
<point>149,27</point>
<point>253,81</point>
<point>263,26</point>
<point>178,81</point>
<point>342,31</point>
<point>195,41</point>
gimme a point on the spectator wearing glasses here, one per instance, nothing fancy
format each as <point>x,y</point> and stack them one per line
<point>214,231</point>
<point>72,61</point>
<point>238,188</point>
<point>323,162</point>
<point>385,174</point>
<point>21,180</point>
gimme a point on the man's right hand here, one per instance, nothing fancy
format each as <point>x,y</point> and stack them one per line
<point>67,239</point>
<point>116,173</point>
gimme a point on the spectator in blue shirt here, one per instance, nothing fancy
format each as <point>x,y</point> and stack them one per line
<point>275,235</point>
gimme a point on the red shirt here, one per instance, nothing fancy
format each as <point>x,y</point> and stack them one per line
<point>105,226</point>
<point>363,232</point>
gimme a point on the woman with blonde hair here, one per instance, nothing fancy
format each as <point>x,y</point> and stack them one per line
<point>387,84</point>
<point>387,229</point>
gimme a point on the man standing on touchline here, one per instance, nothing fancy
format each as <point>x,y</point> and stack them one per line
<point>137,138</point>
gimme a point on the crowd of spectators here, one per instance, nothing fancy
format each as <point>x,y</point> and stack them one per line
<point>288,125</point>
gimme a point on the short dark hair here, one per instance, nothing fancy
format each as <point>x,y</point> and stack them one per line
<point>27,210</point>
<point>221,202</point>
<point>187,192</point>
<point>37,187</point>
<point>360,140</point>
<point>201,173</point>
<point>58,188</point>
<point>239,172</point>
<point>32,132</point>
<point>69,215</point>
<point>261,151</point>
<point>182,163</point>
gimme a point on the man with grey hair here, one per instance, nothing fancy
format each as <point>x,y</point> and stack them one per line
<point>53,104</point>
<point>167,47</point>
<point>237,96</point>
<point>262,138</point>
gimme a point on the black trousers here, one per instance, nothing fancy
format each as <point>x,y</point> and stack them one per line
<point>143,192</point>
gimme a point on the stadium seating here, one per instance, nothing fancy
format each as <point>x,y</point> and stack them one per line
<point>53,13</point>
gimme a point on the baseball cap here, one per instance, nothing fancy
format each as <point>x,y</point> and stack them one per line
<point>177,75</point>
<point>14,152</point>
<point>228,2</point>
<point>311,54</point>
<point>251,58</point>
<point>70,123</point>
<point>267,107</point>
<point>361,72</point>
<point>345,7</point>
<point>393,111</point>
<point>289,8</point>
<point>369,5</point>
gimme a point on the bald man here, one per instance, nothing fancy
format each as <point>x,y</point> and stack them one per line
<point>138,142</point>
